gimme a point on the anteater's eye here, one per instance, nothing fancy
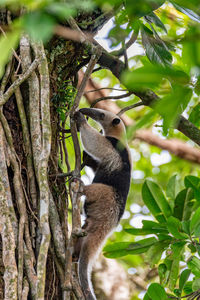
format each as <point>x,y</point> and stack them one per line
<point>102,115</point>
<point>115,121</point>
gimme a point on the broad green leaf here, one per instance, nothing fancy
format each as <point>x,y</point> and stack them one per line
<point>140,8</point>
<point>150,76</point>
<point>146,297</point>
<point>195,221</point>
<point>61,10</point>
<point>177,249</point>
<point>191,48</point>
<point>154,253</point>
<point>39,25</point>
<point>175,228</point>
<point>197,231</point>
<point>173,187</point>
<point>192,248</point>
<point>159,198</point>
<point>150,202</point>
<point>194,264</point>
<point>192,4</point>
<point>126,248</point>
<point>186,226</point>
<point>170,106</point>
<point>156,292</point>
<point>164,237</point>
<point>156,50</point>
<point>183,204</point>
<point>190,13</point>
<point>196,284</point>
<point>153,18</point>
<point>188,287</point>
<point>194,183</point>
<point>195,115</point>
<point>7,44</point>
<point>147,224</point>
<point>144,231</point>
<point>162,269</point>
<point>183,278</point>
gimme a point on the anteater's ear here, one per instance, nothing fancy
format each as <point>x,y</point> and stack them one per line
<point>115,121</point>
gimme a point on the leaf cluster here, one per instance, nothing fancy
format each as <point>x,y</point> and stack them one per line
<point>176,232</point>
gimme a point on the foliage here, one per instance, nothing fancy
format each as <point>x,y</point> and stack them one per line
<point>169,64</point>
<point>176,231</point>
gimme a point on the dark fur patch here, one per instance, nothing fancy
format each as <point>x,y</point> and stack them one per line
<point>118,179</point>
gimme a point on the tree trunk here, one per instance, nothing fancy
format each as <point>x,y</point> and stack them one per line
<point>37,91</point>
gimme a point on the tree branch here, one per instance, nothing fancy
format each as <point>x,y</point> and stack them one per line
<point>110,98</point>
<point>174,146</point>
<point>148,97</point>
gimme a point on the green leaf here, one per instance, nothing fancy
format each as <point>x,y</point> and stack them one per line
<point>39,25</point>
<point>143,231</point>
<point>183,204</point>
<point>173,187</point>
<point>177,249</point>
<point>7,44</point>
<point>140,8</point>
<point>153,18</point>
<point>156,49</point>
<point>150,202</point>
<point>195,115</point>
<point>126,248</point>
<point>195,221</point>
<point>172,105</point>
<point>61,10</point>
<point>151,76</point>
<point>175,228</point>
<point>194,264</point>
<point>190,13</point>
<point>183,278</point>
<point>146,297</point>
<point>194,183</point>
<point>158,196</point>
<point>149,227</point>
<point>196,284</point>
<point>162,269</point>
<point>154,253</point>
<point>197,231</point>
<point>188,287</point>
<point>186,226</point>
<point>156,292</point>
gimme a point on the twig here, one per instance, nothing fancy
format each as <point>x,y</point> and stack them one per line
<point>105,88</point>
<point>72,34</point>
<point>123,110</point>
<point>6,77</point>
<point>27,145</point>
<point>132,40</point>
<point>110,97</point>
<point>4,98</point>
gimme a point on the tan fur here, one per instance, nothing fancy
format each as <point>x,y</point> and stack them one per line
<point>102,218</point>
<point>99,147</point>
<point>102,208</point>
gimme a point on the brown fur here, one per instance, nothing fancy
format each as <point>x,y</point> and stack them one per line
<point>102,205</point>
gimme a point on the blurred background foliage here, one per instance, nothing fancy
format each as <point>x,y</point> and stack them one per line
<point>165,57</point>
